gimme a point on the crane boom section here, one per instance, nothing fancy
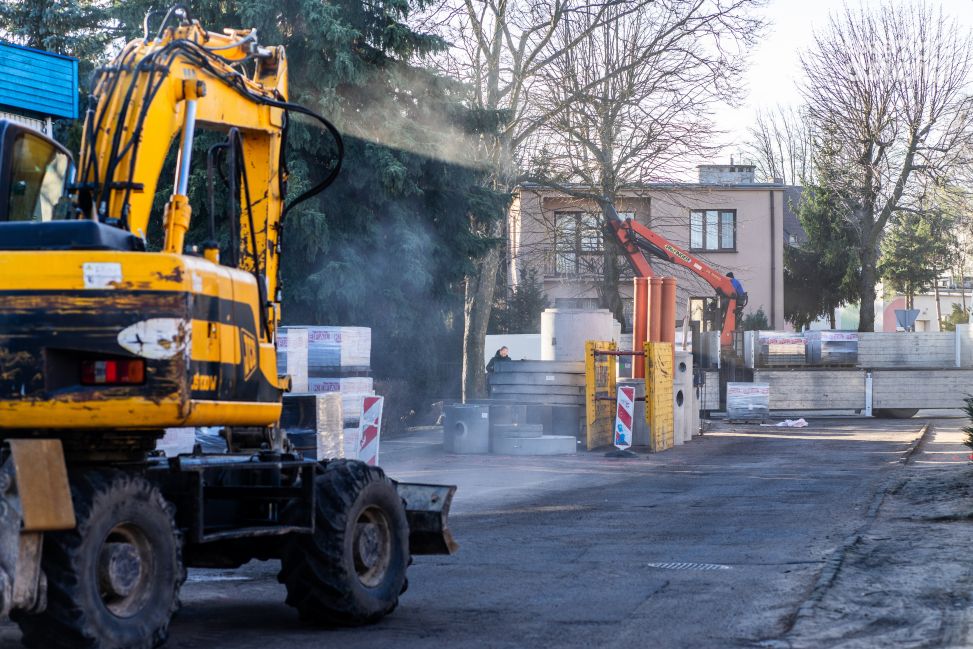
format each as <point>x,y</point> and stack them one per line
<point>636,240</point>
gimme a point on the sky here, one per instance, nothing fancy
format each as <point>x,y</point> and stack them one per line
<point>775,64</point>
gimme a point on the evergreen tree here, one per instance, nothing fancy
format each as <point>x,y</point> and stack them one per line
<point>958,315</point>
<point>755,321</point>
<point>916,251</point>
<point>389,244</point>
<point>821,274</point>
<point>80,28</point>
<point>520,313</point>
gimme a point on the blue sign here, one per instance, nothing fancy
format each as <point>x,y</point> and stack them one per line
<point>37,82</point>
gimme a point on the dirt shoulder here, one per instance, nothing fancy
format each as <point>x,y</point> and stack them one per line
<point>905,577</point>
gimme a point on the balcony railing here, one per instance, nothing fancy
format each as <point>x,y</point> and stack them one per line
<point>585,265</point>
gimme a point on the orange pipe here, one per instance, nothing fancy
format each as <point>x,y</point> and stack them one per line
<point>655,309</point>
<point>668,312</point>
<point>640,323</point>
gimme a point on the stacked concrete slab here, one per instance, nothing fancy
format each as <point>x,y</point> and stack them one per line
<point>907,349</point>
<point>943,388</point>
<point>548,382</point>
<point>814,389</point>
<point>552,392</point>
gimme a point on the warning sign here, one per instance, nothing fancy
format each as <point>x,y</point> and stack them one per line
<point>624,416</point>
<point>369,429</point>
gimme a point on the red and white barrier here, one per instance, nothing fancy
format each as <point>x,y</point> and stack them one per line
<point>624,416</point>
<point>370,429</point>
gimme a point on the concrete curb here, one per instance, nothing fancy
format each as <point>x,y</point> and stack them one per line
<point>917,444</point>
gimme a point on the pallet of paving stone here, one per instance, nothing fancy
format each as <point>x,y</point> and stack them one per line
<point>747,402</point>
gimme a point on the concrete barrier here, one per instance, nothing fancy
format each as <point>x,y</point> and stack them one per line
<point>945,388</point>
<point>682,396</point>
<point>964,346</point>
<point>907,349</point>
<point>709,393</point>
<point>814,389</point>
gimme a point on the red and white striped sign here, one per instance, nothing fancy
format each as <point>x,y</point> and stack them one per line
<point>370,429</point>
<point>624,415</point>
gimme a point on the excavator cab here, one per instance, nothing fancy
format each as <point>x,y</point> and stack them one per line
<point>34,174</point>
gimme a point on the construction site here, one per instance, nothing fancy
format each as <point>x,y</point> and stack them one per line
<point>237,413</point>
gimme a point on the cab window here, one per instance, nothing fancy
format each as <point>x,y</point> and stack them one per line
<point>38,172</point>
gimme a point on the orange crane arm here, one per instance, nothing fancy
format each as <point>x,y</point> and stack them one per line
<point>637,240</point>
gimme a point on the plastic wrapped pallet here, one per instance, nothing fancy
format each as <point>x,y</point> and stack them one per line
<point>334,349</point>
<point>314,424</point>
<point>832,347</point>
<point>351,388</point>
<point>292,357</point>
<point>780,348</point>
<point>747,401</point>
<point>351,441</point>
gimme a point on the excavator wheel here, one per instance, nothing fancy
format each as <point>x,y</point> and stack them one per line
<point>351,571</point>
<point>113,582</point>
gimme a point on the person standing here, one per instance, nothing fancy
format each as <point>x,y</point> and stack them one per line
<point>503,354</point>
<point>737,286</point>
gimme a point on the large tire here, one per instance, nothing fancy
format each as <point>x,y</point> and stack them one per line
<point>113,582</point>
<point>895,413</point>
<point>351,571</point>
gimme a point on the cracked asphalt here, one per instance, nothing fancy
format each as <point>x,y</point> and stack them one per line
<point>747,537</point>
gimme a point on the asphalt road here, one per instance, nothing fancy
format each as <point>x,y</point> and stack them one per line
<point>733,540</point>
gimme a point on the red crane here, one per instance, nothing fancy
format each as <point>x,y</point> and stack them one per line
<point>637,240</point>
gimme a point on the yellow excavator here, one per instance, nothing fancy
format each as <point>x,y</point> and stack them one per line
<point>105,343</point>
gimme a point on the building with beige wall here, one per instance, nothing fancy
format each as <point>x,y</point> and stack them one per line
<point>726,219</point>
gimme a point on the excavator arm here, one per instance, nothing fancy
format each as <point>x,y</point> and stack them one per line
<point>165,85</point>
<point>636,241</point>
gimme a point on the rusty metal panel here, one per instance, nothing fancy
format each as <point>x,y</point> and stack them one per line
<point>599,393</point>
<point>42,484</point>
<point>658,396</point>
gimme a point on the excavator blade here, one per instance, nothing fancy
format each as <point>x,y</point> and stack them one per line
<point>427,510</point>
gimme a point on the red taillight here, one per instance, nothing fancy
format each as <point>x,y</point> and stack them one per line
<point>117,372</point>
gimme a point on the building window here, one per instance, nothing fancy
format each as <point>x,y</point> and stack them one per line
<point>579,246</point>
<point>713,230</point>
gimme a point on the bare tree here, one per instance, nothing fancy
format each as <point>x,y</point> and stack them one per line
<point>781,146</point>
<point>887,88</point>
<point>501,49</point>
<point>631,99</point>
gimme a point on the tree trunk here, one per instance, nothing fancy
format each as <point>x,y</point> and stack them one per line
<point>608,293</point>
<point>480,290</point>
<point>939,307</point>
<point>866,286</point>
<point>833,317</point>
